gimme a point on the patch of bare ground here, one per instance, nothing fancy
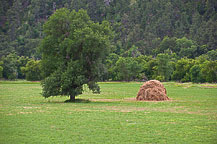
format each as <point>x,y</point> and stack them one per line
<point>85,110</point>
<point>148,110</point>
<point>209,86</point>
<point>202,85</point>
<point>124,108</point>
<point>105,100</point>
<point>171,122</point>
<point>25,113</point>
<point>134,99</point>
<point>127,99</point>
<point>181,110</point>
<point>177,109</point>
<point>28,110</point>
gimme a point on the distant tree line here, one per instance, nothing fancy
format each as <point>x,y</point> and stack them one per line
<point>15,67</point>
<point>159,39</point>
<point>174,60</point>
<point>140,23</point>
<point>165,65</point>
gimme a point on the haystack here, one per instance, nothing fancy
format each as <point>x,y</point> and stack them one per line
<point>152,90</point>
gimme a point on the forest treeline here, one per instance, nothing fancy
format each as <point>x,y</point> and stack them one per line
<point>158,39</point>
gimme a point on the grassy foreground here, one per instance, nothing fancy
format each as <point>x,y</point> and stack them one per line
<point>110,117</point>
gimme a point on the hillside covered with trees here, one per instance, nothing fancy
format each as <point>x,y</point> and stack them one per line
<point>158,39</point>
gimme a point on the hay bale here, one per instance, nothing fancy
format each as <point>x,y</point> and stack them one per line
<point>152,90</point>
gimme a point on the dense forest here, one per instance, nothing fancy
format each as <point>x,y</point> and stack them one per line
<point>158,39</point>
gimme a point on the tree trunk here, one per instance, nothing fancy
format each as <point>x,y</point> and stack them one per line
<point>72,98</point>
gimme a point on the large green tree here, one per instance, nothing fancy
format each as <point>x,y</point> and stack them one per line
<point>73,50</point>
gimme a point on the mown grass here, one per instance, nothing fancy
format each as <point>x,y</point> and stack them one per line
<point>110,117</point>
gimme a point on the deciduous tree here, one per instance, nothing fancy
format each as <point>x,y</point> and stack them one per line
<point>73,50</point>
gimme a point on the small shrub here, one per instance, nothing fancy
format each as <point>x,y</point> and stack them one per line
<point>32,70</point>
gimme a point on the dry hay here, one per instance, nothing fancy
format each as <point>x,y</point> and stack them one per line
<point>152,90</point>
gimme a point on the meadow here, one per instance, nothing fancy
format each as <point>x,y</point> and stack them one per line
<point>110,117</point>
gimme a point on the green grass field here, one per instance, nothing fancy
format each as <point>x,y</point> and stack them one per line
<point>110,117</point>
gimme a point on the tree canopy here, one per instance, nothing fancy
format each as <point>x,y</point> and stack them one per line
<point>140,23</point>
<point>158,39</point>
<point>72,53</point>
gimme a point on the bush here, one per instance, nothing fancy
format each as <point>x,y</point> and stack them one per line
<point>32,70</point>
<point>21,62</point>
<point>209,71</point>
<point>195,74</point>
<point>182,69</point>
<point>1,71</point>
<point>164,67</point>
<point>10,66</point>
<point>160,78</point>
<point>127,69</point>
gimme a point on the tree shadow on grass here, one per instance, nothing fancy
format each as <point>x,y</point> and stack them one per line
<point>78,101</point>
<point>102,101</point>
<point>81,101</point>
<point>90,101</point>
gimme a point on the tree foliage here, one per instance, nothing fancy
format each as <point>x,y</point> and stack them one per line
<point>127,69</point>
<point>32,70</point>
<point>182,69</point>
<point>140,23</point>
<point>10,66</point>
<point>73,50</point>
<point>164,67</point>
<point>209,71</point>
<point>1,69</point>
<point>143,29</point>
